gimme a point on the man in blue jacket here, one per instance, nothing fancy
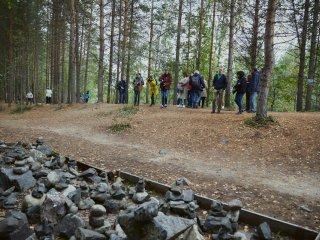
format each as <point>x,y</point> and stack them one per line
<point>254,89</point>
<point>219,85</point>
<point>197,84</point>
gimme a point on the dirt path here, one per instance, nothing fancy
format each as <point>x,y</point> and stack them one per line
<point>266,179</point>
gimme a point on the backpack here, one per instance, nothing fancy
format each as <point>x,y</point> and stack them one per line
<point>195,82</point>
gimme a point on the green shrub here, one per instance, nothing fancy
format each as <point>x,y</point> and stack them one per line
<point>119,127</point>
<point>260,122</point>
<point>128,111</point>
<point>21,109</point>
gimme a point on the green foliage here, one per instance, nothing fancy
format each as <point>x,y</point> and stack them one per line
<point>260,122</point>
<point>21,108</point>
<point>128,111</point>
<point>119,127</point>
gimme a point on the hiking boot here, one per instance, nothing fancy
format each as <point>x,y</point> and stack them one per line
<point>161,106</point>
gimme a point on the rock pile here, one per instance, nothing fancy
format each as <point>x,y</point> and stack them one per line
<point>59,201</point>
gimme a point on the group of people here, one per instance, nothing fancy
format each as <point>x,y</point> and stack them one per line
<point>192,90</point>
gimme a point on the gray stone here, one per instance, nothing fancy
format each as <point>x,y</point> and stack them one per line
<point>22,182</point>
<point>20,163</point>
<point>54,177</point>
<point>35,166</point>
<point>88,173</point>
<point>191,233</point>
<point>97,211</point>
<point>235,204</point>
<point>146,211</point>
<point>140,187</point>
<point>45,149</point>
<point>8,191</point>
<point>96,222</point>
<point>161,227</point>
<point>163,152</point>
<point>86,234</point>
<point>140,197</point>
<point>38,190</point>
<point>68,190</point>
<point>73,209</point>
<point>131,192</point>
<point>214,224</point>
<point>17,153</point>
<point>99,197</point>
<point>40,140</point>
<point>53,208</point>
<point>86,204</point>
<point>37,155</point>
<point>69,224</point>
<point>114,206</point>
<point>10,201</point>
<point>75,196</point>
<point>29,160</point>
<point>33,214</point>
<point>116,191</point>
<point>171,196</point>
<point>30,201</point>
<point>233,216</point>
<point>188,195</point>
<point>264,231</point>
<point>240,236</point>
<point>105,227</point>
<point>102,187</point>
<point>20,170</point>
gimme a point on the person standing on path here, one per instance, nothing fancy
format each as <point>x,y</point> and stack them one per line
<point>219,85</point>
<point>30,98</point>
<point>197,84</point>
<point>204,93</point>
<point>165,82</point>
<point>121,86</point>
<point>48,95</point>
<point>137,87</point>
<point>254,89</point>
<point>248,94</point>
<point>240,89</point>
<point>87,96</point>
<point>153,89</point>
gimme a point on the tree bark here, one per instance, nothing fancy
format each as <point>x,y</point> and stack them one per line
<point>199,47</point>
<point>77,51</point>
<point>119,48</point>
<point>230,55</point>
<point>262,107</point>
<point>71,95</point>
<point>88,51</point>
<point>63,49</point>
<point>211,51</point>
<point>177,66</point>
<point>111,49</point>
<point>312,59</point>
<point>56,48</point>
<point>254,39</point>
<point>150,49</point>
<point>101,53</point>
<point>302,56</point>
<point>123,51</point>
<point>189,34</point>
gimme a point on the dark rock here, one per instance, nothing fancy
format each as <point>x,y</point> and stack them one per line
<point>44,230</point>
<point>97,210</point>
<point>216,206</point>
<point>117,192</point>
<point>73,171</point>
<point>20,163</point>
<point>75,196</point>
<point>264,231</point>
<point>69,224</point>
<point>22,182</point>
<point>38,190</point>
<point>8,160</point>
<point>86,204</point>
<point>94,179</point>
<point>53,208</point>
<point>140,197</point>
<point>35,166</point>
<point>8,191</point>
<point>37,155</point>
<point>86,234</point>
<point>33,214</point>
<point>102,187</point>
<point>146,211</point>
<point>234,215</point>
<point>43,172</point>
<point>10,201</point>
<point>188,195</point>
<point>131,192</point>
<point>170,196</point>
<point>63,186</point>
<point>20,170</point>
<point>70,188</point>
<point>161,227</point>
<point>88,173</point>
<point>96,222</point>
<point>40,140</point>
<point>99,197</point>
<point>140,187</point>
<point>45,149</point>
<point>114,206</point>
<point>17,153</point>
<point>214,224</point>
<point>235,204</point>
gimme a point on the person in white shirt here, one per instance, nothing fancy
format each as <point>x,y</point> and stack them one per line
<point>48,95</point>
<point>30,97</point>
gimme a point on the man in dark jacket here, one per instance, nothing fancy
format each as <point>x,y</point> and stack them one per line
<point>254,89</point>
<point>240,89</point>
<point>197,84</point>
<point>165,82</point>
<point>219,85</point>
<point>121,86</point>
<point>137,87</point>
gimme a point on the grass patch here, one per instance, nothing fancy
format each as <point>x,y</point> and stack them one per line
<point>119,127</point>
<point>260,122</point>
<point>128,111</point>
<point>21,109</point>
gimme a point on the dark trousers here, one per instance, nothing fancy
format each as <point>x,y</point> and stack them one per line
<point>164,97</point>
<point>121,97</point>
<point>247,101</point>
<point>136,98</point>
<point>48,100</point>
<point>238,100</point>
<point>152,99</point>
<point>202,101</point>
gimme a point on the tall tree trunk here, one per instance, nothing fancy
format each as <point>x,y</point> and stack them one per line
<point>56,46</point>
<point>130,44</point>
<point>48,50</point>
<point>88,51</point>
<point>111,49</point>
<point>211,51</point>
<point>254,38</point>
<point>189,34</point>
<point>36,61</point>
<point>199,47</point>
<point>177,66</point>
<point>77,51</point>
<point>123,51</point>
<point>63,49</point>
<point>101,53</point>
<point>119,49</point>
<point>150,49</point>
<point>302,56</point>
<point>262,107</point>
<point>312,62</point>
<point>230,55</point>
<point>71,95</point>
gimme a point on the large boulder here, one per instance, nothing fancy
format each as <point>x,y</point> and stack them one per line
<point>69,225</point>
<point>53,208</point>
<point>22,182</point>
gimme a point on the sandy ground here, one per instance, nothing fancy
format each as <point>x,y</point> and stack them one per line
<point>272,170</point>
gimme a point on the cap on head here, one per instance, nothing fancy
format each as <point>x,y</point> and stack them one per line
<point>196,72</point>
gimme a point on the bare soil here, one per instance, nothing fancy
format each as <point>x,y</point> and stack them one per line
<point>273,170</point>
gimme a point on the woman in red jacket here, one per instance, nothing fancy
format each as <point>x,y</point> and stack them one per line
<point>165,82</point>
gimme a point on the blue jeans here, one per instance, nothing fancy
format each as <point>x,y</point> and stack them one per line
<point>136,97</point>
<point>253,101</point>
<point>121,97</point>
<point>164,97</point>
<point>196,95</point>
<point>238,100</point>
